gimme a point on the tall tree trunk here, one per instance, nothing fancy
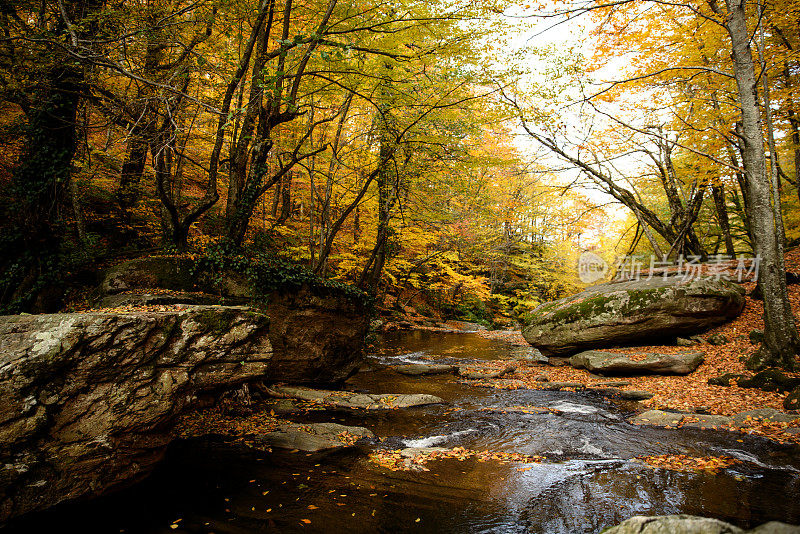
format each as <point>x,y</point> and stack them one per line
<point>286,199</point>
<point>129,190</point>
<point>781,342</point>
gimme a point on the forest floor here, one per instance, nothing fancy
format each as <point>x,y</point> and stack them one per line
<point>692,392</point>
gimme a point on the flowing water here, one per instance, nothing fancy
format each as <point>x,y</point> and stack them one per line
<point>587,482</point>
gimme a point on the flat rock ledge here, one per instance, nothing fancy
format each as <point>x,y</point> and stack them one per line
<point>612,363</point>
<point>689,524</point>
<point>705,421</point>
<point>314,437</point>
<point>358,401</point>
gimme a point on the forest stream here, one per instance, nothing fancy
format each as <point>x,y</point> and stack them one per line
<point>588,479</point>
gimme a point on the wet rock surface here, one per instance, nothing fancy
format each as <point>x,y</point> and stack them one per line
<point>314,437</point>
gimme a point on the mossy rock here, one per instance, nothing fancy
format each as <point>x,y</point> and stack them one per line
<point>792,400</point>
<point>756,336</point>
<point>725,379</point>
<point>162,272</point>
<point>628,312</point>
<point>771,380</point>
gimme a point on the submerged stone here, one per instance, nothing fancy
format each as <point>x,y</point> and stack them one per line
<point>314,437</point>
<point>417,369</point>
<point>347,399</point>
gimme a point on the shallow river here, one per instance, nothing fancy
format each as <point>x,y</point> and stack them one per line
<point>587,482</point>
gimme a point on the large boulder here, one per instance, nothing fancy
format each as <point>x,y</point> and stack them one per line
<point>318,334</point>
<point>612,363</point>
<point>89,399</point>
<point>620,313</point>
<point>173,273</point>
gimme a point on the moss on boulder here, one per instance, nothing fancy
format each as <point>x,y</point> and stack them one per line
<point>620,313</point>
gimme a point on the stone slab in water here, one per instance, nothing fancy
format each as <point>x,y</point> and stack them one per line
<point>611,363</point>
<point>314,437</point>
<point>472,373</point>
<point>763,414</point>
<point>622,313</point>
<point>347,399</point>
<point>657,417</point>
<point>417,369</point>
<point>706,421</point>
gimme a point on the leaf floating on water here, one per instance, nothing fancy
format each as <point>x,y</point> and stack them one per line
<point>683,462</point>
<point>394,461</point>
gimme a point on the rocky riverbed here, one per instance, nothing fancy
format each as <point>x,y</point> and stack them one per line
<point>482,460</point>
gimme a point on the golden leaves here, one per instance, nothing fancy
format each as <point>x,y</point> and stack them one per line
<point>683,462</point>
<point>395,461</point>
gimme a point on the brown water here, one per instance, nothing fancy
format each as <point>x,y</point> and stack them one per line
<point>587,483</point>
